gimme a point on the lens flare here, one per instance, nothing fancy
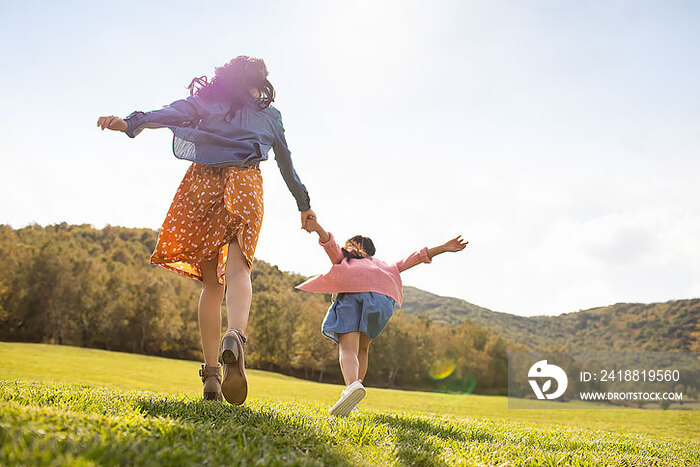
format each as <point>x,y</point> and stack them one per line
<point>469,384</point>
<point>442,368</point>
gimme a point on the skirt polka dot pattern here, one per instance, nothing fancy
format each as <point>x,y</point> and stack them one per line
<point>212,207</point>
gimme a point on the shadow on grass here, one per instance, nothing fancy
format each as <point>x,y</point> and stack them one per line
<point>129,428</point>
<point>278,432</point>
<point>413,446</point>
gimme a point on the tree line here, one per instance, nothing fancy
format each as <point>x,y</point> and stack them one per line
<point>77,285</point>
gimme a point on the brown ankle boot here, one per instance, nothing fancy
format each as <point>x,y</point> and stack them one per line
<point>211,377</point>
<point>234,385</point>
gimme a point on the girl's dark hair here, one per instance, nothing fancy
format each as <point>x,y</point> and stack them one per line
<point>358,247</point>
<point>232,82</point>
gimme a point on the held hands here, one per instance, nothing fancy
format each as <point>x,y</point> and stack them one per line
<point>111,123</point>
<point>308,218</point>
<point>312,225</point>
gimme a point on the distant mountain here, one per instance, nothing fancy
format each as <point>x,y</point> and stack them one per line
<point>673,325</point>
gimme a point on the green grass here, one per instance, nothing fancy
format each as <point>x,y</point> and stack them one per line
<point>88,407</point>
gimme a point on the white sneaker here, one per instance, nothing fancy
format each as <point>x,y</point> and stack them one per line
<point>349,398</point>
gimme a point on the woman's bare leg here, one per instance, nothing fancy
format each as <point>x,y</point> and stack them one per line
<point>363,355</point>
<point>348,344</point>
<point>239,291</point>
<point>210,312</point>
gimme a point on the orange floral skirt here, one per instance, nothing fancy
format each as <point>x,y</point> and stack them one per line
<point>212,207</point>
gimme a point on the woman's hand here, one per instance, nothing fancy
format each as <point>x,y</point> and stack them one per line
<point>111,123</point>
<point>454,245</point>
<point>305,216</point>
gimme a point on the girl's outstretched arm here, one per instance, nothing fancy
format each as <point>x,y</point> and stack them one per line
<point>325,239</point>
<point>452,246</point>
<point>426,254</point>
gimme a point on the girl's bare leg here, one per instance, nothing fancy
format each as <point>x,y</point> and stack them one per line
<point>239,291</point>
<point>363,354</point>
<point>348,346</point>
<point>210,312</point>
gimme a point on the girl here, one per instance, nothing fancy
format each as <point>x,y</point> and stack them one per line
<point>367,289</point>
<point>226,128</point>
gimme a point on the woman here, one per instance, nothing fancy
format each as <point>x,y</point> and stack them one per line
<point>226,128</point>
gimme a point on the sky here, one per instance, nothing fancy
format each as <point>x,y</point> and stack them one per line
<point>561,138</point>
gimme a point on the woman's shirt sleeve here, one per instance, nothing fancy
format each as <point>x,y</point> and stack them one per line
<point>181,113</point>
<point>284,161</point>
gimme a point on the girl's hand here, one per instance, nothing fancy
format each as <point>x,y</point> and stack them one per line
<point>111,123</point>
<point>454,245</point>
<point>312,225</point>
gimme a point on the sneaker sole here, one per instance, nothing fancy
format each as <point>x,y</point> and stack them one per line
<point>344,408</point>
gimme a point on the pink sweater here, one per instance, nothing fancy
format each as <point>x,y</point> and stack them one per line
<point>362,275</point>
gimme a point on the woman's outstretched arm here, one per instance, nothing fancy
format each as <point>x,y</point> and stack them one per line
<point>183,112</point>
<point>110,122</point>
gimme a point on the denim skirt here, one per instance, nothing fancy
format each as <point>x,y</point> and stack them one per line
<point>367,312</point>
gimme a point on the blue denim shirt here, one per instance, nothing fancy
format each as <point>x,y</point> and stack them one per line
<point>201,134</point>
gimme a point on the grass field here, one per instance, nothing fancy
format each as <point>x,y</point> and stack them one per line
<point>65,405</point>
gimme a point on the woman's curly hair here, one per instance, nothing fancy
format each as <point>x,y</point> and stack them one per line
<point>358,247</point>
<point>232,83</point>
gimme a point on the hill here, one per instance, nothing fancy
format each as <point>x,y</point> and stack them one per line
<point>72,406</point>
<point>673,325</point>
<point>77,285</point>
